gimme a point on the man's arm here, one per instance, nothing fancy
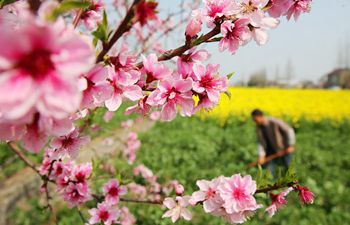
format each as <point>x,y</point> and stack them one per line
<point>288,133</point>
<point>261,153</point>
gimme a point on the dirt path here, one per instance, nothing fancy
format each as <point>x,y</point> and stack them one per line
<point>25,184</point>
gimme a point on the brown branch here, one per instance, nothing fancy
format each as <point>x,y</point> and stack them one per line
<point>123,27</point>
<point>20,154</point>
<point>141,201</point>
<point>77,18</point>
<point>180,50</point>
<point>275,187</point>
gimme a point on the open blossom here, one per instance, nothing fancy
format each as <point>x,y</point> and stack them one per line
<point>96,89</point>
<point>153,69</point>
<point>260,23</point>
<point>235,34</point>
<point>195,24</point>
<point>76,194</point>
<point>104,214</point>
<point>170,94</point>
<point>186,62</point>
<point>39,68</point>
<point>81,173</point>
<point>218,8</point>
<point>208,194</point>
<point>278,201</point>
<point>237,194</point>
<point>277,8</point>
<point>69,144</point>
<point>123,77</point>
<point>298,7</point>
<point>145,11</point>
<point>113,191</point>
<point>92,15</point>
<point>177,208</point>
<point>208,83</point>
<point>305,195</point>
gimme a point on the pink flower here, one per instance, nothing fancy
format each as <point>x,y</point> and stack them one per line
<point>235,34</point>
<point>208,194</point>
<point>141,107</point>
<point>218,8</point>
<point>143,171</point>
<point>170,94</point>
<point>96,89</point>
<point>123,77</point>
<point>298,7</point>
<point>186,62</point>
<point>179,188</point>
<point>177,208</point>
<point>208,83</point>
<point>278,201</point>
<point>305,195</point>
<point>69,144</point>
<point>37,132</point>
<point>145,11</point>
<point>153,69</point>
<point>113,191</point>
<point>278,8</point>
<point>195,24</point>
<point>237,194</point>
<point>39,68</point>
<point>104,213</point>
<point>81,173</point>
<point>260,24</point>
<point>76,194</point>
<point>126,218</point>
<point>92,16</point>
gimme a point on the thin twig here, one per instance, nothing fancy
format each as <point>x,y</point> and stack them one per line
<point>275,187</point>
<point>123,27</point>
<point>77,18</point>
<point>20,154</point>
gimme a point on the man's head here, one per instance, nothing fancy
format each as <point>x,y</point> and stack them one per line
<point>258,117</point>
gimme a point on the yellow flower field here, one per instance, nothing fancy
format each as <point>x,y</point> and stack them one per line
<point>294,104</point>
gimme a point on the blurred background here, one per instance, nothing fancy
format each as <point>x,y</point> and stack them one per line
<point>302,75</point>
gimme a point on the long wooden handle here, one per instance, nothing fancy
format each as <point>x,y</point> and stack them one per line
<point>268,158</point>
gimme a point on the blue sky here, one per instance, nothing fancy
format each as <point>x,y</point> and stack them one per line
<point>311,45</point>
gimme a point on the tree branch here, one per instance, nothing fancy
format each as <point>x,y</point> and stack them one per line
<point>20,154</point>
<point>123,27</point>
<point>275,187</point>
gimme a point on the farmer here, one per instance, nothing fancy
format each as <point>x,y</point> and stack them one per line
<point>276,140</point>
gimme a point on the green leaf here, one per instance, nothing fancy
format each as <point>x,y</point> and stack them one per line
<point>66,6</point>
<point>101,33</point>
<point>230,75</point>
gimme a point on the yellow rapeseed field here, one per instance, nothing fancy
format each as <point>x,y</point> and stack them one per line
<point>294,104</point>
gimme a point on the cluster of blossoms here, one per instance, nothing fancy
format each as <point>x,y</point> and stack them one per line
<point>231,198</point>
<point>71,179</point>
<point>243,20</point>
<point>54,80</point>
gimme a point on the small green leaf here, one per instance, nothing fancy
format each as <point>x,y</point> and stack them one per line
<point>230,75</point>
<point>228,94</point>
<point>66,6</point>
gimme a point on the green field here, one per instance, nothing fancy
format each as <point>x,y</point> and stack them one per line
<point>189,149</point>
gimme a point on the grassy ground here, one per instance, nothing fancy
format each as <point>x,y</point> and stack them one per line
<point>188,149</point>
